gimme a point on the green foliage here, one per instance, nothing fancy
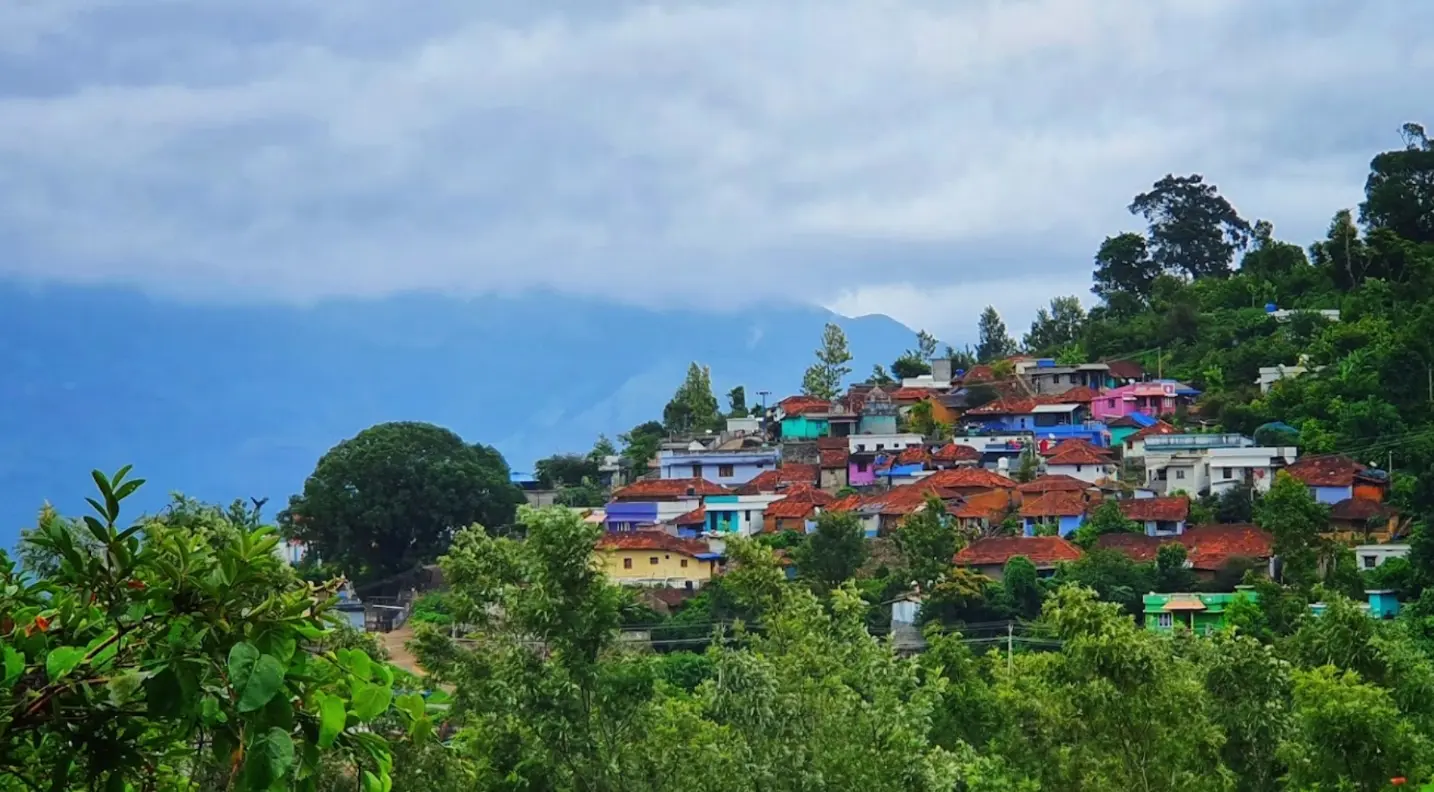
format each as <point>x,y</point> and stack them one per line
<point>1293,517</point>
<point>1193,229</point>
<point>928,539</point>
<point>824,378</point>
<point>565,470</point>
<point>1170,572</point>
<point>880,377</point>
<point>737,402</point>
<point>640,446</point>
<point>388,499</point>
<point>1054,330</point>
<point>1107,518</point>
<point>1022,587</point>
<point>909,365</point>
<point>993,342</point>
<point>693,408</point>
<point>834,551</point>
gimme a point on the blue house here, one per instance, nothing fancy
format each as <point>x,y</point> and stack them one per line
<point>1040,417</point>
<point>1332,479</point>
<point>1054,513</point>
<point>729,468</point>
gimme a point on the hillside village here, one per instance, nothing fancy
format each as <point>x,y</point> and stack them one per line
<point>1020,454</point>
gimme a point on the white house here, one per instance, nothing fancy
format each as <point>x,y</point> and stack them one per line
<point>1211,463</point>
<point>1370,556</point>
<point>1081,462</point>
<point>878,443</point>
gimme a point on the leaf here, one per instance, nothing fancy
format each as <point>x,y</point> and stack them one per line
<point>411,703</point>
<point>14,666</point>
<point>126,489</point>
<point>255,677</point>
<point>123,687</point>
<point>97,528</point>
<point>371,782</point>
<point>370,701</point>
<point>384,673</point>
<point>332,718</point>
<point>62,661</point>
<point>356,662</point>
<point>269,758</point>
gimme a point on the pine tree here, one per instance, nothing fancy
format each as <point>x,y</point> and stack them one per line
<point>823,378</point>
<point>693,407</point>
<point>993,341</point>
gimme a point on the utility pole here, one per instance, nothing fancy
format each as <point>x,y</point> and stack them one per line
<point>1010,644</point>
<point>1429,371</point>
<point>1160,362</point>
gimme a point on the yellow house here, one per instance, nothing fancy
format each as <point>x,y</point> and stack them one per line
<point>655,558</point>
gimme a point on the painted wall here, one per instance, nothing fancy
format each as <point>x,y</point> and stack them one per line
<point>1144,399</point>
<point>1119,433</point>
<point>719,468</point>
<point>833,479</point>
<point>655,567</point>
<point>1087,473</point>
<point>626,516</point>
<point>877,424</point>
<point>800,427</point>
<point>743,515</point>
<point>1067,524</point>
<point>861,474</point>
<point>1331,495</point>
<point>894,441</point>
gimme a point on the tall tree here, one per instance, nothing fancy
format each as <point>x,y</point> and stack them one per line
<point>1342,253</point>
<point>565,470</point>
<point>1057,328</point>
<point>602,449</point>
<point>926,345</point>
<point>693,408</point>
<point>1193,229</point>
<point>928,539</point>
<point>909,365</point>
<point>1124,272</point>
<point>993,342</point>
<point>879,376</point>
<point>1269,258</point>
<point>1293,517</point>
<point>834,551</point>
<point>823,379</point>
<point>390,498</point>
<point>737,401</point>
<point>1399,193</point>
<point>639,446</point>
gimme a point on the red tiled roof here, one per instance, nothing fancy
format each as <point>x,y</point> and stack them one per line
<point>651,540</point>
<point>1326,471</point>
<point>1157,428</point>
<point>1135,546</point>
<point>834,457</point>
<point>1081,394</point>
<point>801,405</point>
<point>832,443</point>
<point>1041,550</point>
<point>1210,547</point>
<point>903,500</point>
<point>772,480</point>
<point>801,500</point>
<point>980,373</point>
<point>1173,509</point>
<point>1125,369</point>
<point>1077,455</point>
<point>984,505</point>
<point>911,394</point>
<point>912,455</point>
<point>955,452</point>
<point>1057,482</point>
<point>1359,509</point>
<point>846,504</point>
<point>1076,442</point>
<point>968,477</point>
<point>1054,504</point>
<point>697,516</point>
<point>669,488</point>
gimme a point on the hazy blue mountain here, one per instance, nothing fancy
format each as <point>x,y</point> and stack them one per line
<point>237,401</point>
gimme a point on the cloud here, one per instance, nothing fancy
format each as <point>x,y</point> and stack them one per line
<point>696,152</point>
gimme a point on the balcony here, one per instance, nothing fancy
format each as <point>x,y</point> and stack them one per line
<point>1195,442</point>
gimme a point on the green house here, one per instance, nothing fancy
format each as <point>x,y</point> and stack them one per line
<point>805,427</point>
<point>1202,613</point>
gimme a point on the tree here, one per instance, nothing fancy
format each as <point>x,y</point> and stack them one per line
<point>834,551</point>
<point>1193,229</point>
<point>920,419</point>
<point>389,499</point>
<point>1293,517</point>
<point>191,660</point>
<point>693,408</point>
<point>1057,328</point>
<point>928,539</point>
<point>925,345</point>
<point>823,379</point>
<point>1348,735</point>
<point>1271,259</point>
<point>993,343</point>
<point>602,449</point>
<point>1022,587</point>
<point>1399,193</point>
<point>639,446</point>
<point>1107,518</point>
<point>1170,571</point>
<point>737,400</point>
<point>1124,270</point>
<point>880,377</point>
<point>1342,253</point>
<point>909,365</point>
<point>565,470</point>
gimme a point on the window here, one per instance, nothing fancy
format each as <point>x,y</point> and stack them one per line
<point>627,563</point>
<point>1180,474</point>
<point>747,515</point>
<point>861,467</point>
<point>1226,473</point>
<point>697,471</point>
<point>652,560</point>
<point>1110,402</point>
<point>1166,620</point>
<point>880,446</point>
<point>861,446</point>
<point>684,563</point>
<point>724,471</point>
<point>1370,562</point>
<point>1078,468</point>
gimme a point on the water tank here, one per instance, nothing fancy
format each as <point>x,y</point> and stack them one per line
<point>1271,307</point>
<point>1003,464</point>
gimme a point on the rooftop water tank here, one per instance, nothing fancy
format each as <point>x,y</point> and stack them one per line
<point>1271,307</point>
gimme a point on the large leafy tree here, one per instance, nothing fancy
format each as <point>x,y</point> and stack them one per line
<point>993,341</point>
<point>1399,193</point>
<point>834,551</point>
<point>1124,271</point>
<point>1292,516</point>
<point>693,407</point>
<point>391,497</point>
<point>928,539</point>
<point>1193,229</point>
<point>1056,328</point>
<point>565,470</point>
<point>824,377</point>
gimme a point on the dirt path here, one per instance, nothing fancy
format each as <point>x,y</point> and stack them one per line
<point>398,653</point>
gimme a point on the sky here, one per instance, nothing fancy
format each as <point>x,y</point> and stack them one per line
<point>920,159</point>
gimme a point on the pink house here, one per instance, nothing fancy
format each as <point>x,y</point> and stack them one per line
<point>861,470</point>
<point>1154,399</point>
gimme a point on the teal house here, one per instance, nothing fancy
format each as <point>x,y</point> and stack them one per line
<point>804,418</point>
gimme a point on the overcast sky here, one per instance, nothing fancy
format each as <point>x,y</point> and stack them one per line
<point>914,158</point>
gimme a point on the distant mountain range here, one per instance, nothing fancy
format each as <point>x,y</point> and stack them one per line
<point>225,401</point>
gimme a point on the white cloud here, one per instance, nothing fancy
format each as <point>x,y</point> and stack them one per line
<point>832,150</point>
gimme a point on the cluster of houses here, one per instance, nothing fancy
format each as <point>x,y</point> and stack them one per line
<point>1078,434</point>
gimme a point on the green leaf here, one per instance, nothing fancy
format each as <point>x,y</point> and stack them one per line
<point>14,665</point>
<point>411,703</point>
<point>123,687</point>
<point>384,673</point>
<point>331,719</point>
<point>126,489</point>
<point>62,661</point>
<point>370,701</point>
<point>371,782</point>
<point>255,677</point>
<point>356,662</point>
<point>269,758</point>
<point>97,529</point>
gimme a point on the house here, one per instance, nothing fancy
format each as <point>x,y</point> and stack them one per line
<point>1284,315</point>
<point>1055,483</point>
<point>722,467</point>
<point>1371,556</point>
<point>963,481</point>
<point>803,417</point>
<point>878,414</point>
<point>834,462</point>
<point>648,502</point>
<point>1080,462</point>
<point>989,555</point>
<point>656,558</point>
<point>1334,477</point>
<point>982,512</point>
<point>1211,463</point>
<point>1125,426</point>
<point>938,379</point>
<point>1045,376</point>
<point>1124,372</point>
<point>1133,446</point>
<point>743,515</point>
<point>1159,516</point>
<point>947,456</point>
<point>1208,548</point>
<point>534,492</point>
<point>1269,375</point>
<point>802,504</point>
<point>772,481</point>
<point>868,452</point>
<point>1201,613</point>
<point>884,512</point>
<point>1157,398</point>
<point>1361,520</point>
<point>1038,415</point>
<point>1053,512</point>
